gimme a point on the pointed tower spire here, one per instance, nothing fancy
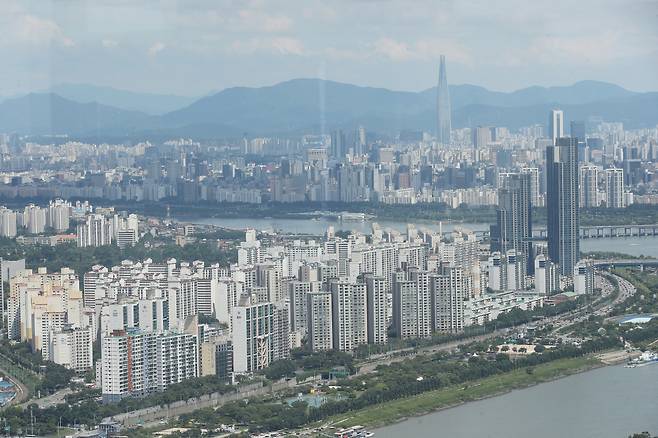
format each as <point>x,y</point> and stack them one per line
<point>443,105</point>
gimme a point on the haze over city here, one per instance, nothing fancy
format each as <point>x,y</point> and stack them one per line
<point>192,48</point>
<point>346,218</point>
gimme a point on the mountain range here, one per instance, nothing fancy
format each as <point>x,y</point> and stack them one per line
<point>309,105</point>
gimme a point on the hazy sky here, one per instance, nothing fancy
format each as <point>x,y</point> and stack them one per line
<point>192,47</point>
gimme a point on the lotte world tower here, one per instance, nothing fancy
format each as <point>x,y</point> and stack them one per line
<point>443,105</point>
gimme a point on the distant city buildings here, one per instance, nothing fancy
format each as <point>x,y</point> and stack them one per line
<point>160,322</point>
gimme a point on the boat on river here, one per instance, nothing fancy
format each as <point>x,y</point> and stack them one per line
<point>646,358</point>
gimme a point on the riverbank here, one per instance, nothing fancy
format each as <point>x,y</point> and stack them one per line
<point>432,401</point>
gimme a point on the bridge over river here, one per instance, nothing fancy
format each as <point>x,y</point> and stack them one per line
<point>599,231</point>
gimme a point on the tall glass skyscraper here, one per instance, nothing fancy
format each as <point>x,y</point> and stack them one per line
<point>562,202</point>
<point>556,125</point>
<point>443,116</point>
<point>513,229</point>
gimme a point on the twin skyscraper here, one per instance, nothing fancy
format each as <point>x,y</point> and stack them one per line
<point>514,224</point>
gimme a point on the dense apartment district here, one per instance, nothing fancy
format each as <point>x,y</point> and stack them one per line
<point>158,324</point>
<point>330,293</point>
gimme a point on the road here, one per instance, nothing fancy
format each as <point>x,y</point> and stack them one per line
<point>21,390</point>
<point>559,322</point>
<point>50,400</point>
<point>626,289</point>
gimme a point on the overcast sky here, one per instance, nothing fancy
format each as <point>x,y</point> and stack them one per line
<point>192,47</point>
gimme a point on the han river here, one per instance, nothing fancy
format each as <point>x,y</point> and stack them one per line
<point>609,402</point>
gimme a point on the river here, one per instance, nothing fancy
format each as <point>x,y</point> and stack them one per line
<point>635,246</point>
<point>609,402</point>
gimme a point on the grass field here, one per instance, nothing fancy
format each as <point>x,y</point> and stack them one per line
<point>391,412</point>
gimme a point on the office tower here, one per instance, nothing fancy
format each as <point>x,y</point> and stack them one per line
<point>360,141</point>
<point>589,186</point>
<point>319,317</point>
<point>443,110</point>
<point>449,289</point>
<point>555,125</point>
<point>376,289</point>
<point>349,315</point>
<point>253,326</point>
<point>514,218</point>
<point>547,277</point>
<point>136,363</point>
<point>480,136</point>
<point>577,130</point>
<point>614,188</point>
<point>338,144</point>
<point>563,203</point>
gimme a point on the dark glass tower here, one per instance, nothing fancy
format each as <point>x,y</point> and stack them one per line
<point>562,202</point>
<point>513,228</point>
<point>443,125</point>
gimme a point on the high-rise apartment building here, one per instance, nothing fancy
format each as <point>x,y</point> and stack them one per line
<point>589,186</point>
<point>95,231</point>
<point>376,289</point>
<point>349,315</point>
<point>59,213</point>
<point>536,198</point>
<point>412,310</point>
<point>8,222</point>
<point>253,326</point>
<point>547,277</point>
<point>513,229</point>
<point>34,219</point>
<point>563,204</point>
<point>136,363</point>
<point>72,348</point>
<point>449,289</point>
<point>320,325</point>
<point>614,188</point>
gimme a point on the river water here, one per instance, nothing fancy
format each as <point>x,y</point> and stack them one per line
<point>609,402</point>
<point>636,246</point>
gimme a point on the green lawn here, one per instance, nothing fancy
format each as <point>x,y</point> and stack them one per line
<point>390,412</point>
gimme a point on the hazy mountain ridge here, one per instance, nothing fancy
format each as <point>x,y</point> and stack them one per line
<point>51,114</point>
<point>303,105</point>
<point>150,103</point>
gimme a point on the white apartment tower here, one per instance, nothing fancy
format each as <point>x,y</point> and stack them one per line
<point>614,188</point>
<point>377,304</point>
<point>349,315</point>
<point>320,329</point>
<point>449,289</point>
